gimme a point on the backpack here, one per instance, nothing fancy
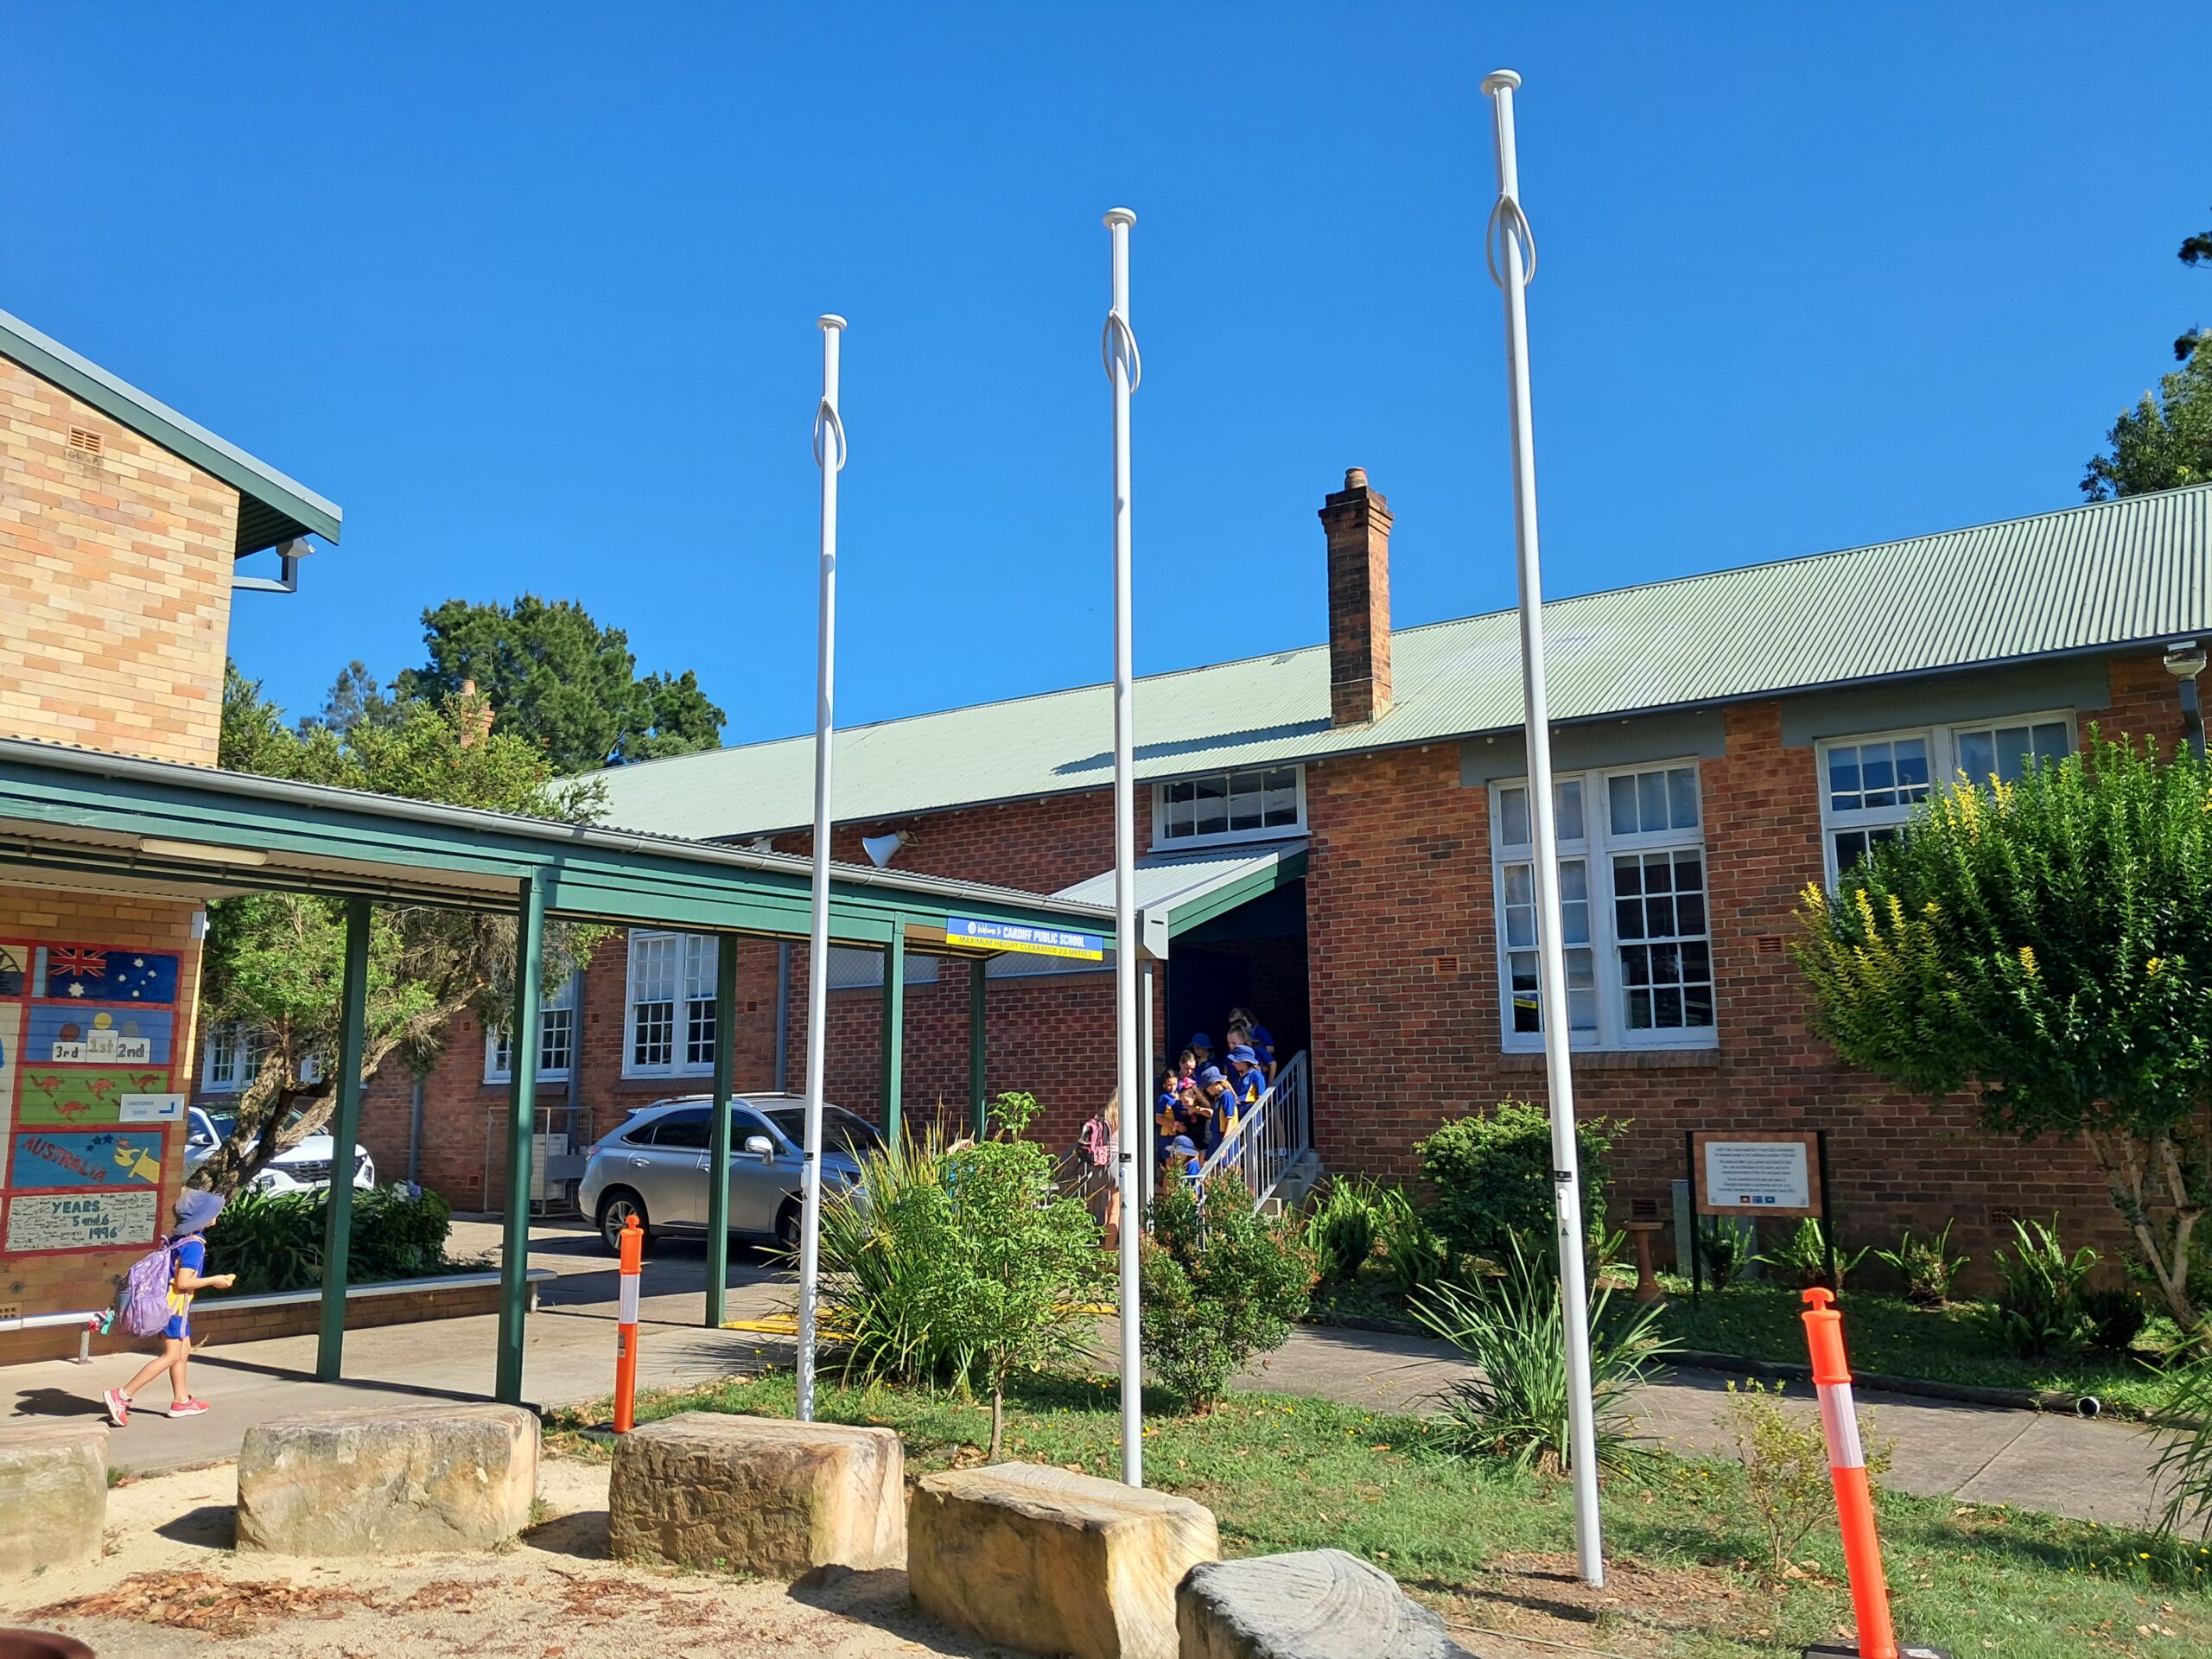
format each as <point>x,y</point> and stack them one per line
<point>144,1301</point>
<point>1095,1143</point>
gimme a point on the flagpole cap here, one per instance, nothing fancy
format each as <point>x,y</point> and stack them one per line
<point>1501,81</point>
<point>830,319</point>
<point>1116,216</point>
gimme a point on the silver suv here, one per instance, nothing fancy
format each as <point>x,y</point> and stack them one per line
<point>655,1167</point>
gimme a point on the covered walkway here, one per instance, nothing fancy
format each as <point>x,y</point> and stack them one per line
<point>85,822</point>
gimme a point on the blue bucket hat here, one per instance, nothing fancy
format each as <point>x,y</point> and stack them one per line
<point>1209,1077</point>
<point>196,1210</point>
<point>1244,1054</point>
<point>1200,1041</point>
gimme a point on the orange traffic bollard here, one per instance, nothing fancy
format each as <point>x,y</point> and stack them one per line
<point>1854,1498</point>
<point>626,1329</point>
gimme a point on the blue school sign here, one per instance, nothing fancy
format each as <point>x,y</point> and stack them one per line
<point>1032,941</point>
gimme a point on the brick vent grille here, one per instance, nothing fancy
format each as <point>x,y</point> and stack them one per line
<point>86,444</point>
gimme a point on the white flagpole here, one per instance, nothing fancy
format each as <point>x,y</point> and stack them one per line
<point>1511,250</point>
<point>830,457</point>
<point>1124,368</point>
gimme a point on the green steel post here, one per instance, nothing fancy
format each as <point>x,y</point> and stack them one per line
<point>978,1051</point>
<point>522,1110</point>
<point>718,1137</point>
<point>894,1031</point>
<point>345,1131</point>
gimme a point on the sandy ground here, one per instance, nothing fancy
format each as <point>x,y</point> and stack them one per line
<point>170,1584</point>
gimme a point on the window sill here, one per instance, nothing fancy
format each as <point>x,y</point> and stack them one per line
<point>681,1082</point>
<point>1624,1060</point>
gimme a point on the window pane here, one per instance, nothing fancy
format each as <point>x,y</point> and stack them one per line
<point>1850,848</point>
<point>1639,1010</point>
<point>1620,794</point>
<point>2050,742</point>
<point>1689,913</point>
<point>1667,1008</point>
<point>1281,805</point>
<point>1573,901</point>
<point>1911,753</point>
<point>1567,814</point>
<point>1582,990</point>
<point>1245,791</point>
<point>1182,810</point>
<point>1977,756</point>
<point>1689,871</point>
<point>1211,816</point>
<point>1521,884</point>
<point>1636,964</point>
<point>556,1040</point>
<point>1878,775</point>
<point>1651,800</point>
<point>1513,818</point>
<point>1521,927</point>
<point>652,1034</point>
<point>2011,752</point>
<point>1681,797</point>
<point>1522,966</point>
<point>699,1037</point>
<point>1843,779</point>
<point>683,1130</point>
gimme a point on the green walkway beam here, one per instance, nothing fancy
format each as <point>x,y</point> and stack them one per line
<point>345,1131</point>
<point>718,1136</point>
<point>979,985</point>
<point>894,1035</point>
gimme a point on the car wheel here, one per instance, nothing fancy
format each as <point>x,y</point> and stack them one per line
<point>614,1212</point>
<point>787,1220</point>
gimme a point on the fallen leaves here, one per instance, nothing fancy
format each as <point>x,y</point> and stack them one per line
<point>200,1601</point>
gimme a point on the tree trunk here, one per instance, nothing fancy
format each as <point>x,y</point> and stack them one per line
<point>2130,1166</point>
<point>998,1420</point>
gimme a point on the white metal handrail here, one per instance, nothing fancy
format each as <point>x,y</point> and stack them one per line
<point>1271,1135</point>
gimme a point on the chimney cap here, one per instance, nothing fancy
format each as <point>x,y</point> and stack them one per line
<point>1355,478</point>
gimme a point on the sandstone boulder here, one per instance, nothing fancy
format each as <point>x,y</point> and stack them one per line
<point>1320,1604</point>
<point>1052,1562</point>
<point>53,1496</point>
<point>758,1495</point>
<point>388,1480</point>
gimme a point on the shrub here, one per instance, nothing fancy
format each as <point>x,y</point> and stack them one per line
<point>1724,1250</point>
<point>1510,1326</point>
<point>1492,1173</point>
<point>2037,1309</point>
<point>1804,1256</point>
<point>2113,1319</point>
<point>1220,1284</point>
<point>961,1265</point>
<point>1413,1253</point>
<point>1341,1225</point>
<point>273,1242</point>
<point>1929,1269</point>
<point>2183,1469</point>
<point>1785,1462</point>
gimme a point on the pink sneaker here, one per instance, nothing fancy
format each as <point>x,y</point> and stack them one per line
<point>119,1409</point>
<point>189,1408</point>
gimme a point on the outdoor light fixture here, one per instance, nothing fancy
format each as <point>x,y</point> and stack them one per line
<point>289,555</point>
<point>881,849</point>
<point>2185,661</point>
<point>199,850</point>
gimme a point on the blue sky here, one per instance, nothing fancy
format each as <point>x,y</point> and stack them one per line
<point>530,291</point>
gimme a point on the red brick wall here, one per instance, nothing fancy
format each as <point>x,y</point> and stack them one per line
<point>1406,998</point>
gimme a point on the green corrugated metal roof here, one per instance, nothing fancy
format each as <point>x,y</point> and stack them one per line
<point>273,508</point>
<point>2115,574</point>
<point>1186,889</point>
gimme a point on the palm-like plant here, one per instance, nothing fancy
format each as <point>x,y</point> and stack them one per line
<point>1515,1406</point>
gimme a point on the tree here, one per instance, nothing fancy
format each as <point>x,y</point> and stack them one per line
<point>354,696</point>
<point>274,962</point>
<point>2049,942</point>
<point>556,679</point>
<point>2165,441</point>
<point>1220,1283</point>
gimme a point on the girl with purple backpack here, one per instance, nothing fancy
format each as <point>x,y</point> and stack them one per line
<point>186,1254</point>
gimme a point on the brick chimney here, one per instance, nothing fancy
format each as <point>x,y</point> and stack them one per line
<point>1357,520</point>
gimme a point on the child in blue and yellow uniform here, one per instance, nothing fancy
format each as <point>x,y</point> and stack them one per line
<point>195,1212</point>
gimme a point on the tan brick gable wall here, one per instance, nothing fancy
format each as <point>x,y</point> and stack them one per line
<point>115,582</point>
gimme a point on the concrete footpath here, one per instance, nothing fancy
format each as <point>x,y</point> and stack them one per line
<point>2094,1471</point>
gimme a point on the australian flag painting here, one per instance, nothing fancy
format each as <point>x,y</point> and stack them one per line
<point>90,973</point>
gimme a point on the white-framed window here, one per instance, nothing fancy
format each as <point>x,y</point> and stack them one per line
<point>1634,927</point>
<point>1260,803</point>
<point>669,1022</point>
<point>557,1041</point>
<point>229,1057</point>
<point>1870,784</point>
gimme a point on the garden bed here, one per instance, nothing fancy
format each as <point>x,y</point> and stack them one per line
<point>1490,1548</point>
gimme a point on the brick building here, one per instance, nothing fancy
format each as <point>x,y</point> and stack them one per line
<point>1335,836</point>
<point>122,524</point>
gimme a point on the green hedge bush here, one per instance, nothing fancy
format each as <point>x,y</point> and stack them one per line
<point>1492,1175</point>
<point>273,1242</point>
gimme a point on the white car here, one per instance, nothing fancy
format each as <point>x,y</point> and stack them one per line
<point>304,1168</point>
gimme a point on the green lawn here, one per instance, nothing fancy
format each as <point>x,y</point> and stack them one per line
<point>1883,1332</point>
<point>1887,1333</point>
<point>1486,1545</point>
